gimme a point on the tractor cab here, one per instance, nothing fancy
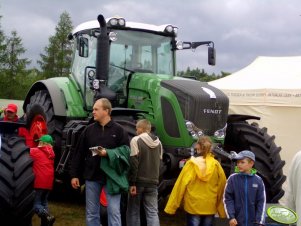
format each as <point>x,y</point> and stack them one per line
<point>131,48</point>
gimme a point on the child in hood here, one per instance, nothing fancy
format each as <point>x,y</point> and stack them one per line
<point>146,155</point>
<point>200,187</point>
<point>43,169</point>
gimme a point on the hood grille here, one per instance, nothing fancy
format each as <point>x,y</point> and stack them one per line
<point>200,103</point>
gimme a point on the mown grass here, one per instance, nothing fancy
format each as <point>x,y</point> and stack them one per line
<point>66,214</point>
<point>73,214</point>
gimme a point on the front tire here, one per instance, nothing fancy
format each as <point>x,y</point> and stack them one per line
<point>16,182</point>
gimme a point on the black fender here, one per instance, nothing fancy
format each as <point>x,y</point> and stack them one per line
<point>237,118</point>
<point>128,112</point>
<point>59,105</point>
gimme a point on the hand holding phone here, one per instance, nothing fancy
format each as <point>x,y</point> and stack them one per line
<point>97,150</point>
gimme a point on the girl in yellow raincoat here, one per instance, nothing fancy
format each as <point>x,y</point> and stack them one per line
<point>200,187</point>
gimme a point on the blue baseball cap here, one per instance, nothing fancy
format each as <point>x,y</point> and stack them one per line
<point>245,154</point>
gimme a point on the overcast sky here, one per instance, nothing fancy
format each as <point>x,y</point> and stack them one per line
<point>240,29</point>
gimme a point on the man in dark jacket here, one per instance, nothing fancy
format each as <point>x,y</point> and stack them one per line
<point>93,145</point>
<point>146,155</point>
<point>244,196</point>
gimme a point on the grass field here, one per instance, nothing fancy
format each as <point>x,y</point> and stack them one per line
<point>71,214</point>
<point>66,214</point>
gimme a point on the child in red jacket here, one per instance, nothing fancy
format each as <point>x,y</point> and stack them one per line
<point>43,169</point>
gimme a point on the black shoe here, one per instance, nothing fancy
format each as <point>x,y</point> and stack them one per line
<point>47,219</point>
<point>50,220</point>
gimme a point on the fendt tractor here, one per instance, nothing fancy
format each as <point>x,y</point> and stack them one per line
<point>134,66</point>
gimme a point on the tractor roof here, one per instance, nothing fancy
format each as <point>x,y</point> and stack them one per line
<point>133,25</point>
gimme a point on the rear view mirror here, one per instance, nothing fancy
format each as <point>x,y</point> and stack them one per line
<point>211,56</point>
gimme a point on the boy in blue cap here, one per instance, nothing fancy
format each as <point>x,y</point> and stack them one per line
<point>244,196</point>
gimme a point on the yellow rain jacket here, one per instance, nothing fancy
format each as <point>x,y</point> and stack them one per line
<point>200,187</point>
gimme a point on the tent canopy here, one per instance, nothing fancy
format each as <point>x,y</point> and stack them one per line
<point>273,81</point>
<point>270,87</point>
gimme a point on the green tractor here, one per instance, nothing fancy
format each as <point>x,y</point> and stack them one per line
<point>134,66</point>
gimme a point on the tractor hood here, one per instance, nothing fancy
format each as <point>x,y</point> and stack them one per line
<point>200,103</point>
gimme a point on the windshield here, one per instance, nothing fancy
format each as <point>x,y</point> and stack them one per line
<point>131,51</point>
<point>137,50</point>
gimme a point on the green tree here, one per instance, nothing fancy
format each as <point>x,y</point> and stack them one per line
<point>14,72</point>
<point>14,50</point>
<point>2,59</point>
<point>25,81</point>
<point>57,58</point>
<point>3,56</point>
<point>201,74</point>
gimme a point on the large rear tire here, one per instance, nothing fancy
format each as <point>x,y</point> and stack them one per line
<point>243,136</point>
<point>41,120</point>
<point>16,182</point>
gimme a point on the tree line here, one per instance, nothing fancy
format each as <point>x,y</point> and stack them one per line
<point>55,61</point>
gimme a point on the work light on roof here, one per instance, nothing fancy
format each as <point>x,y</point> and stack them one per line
<point>175,30</point>
<point>169,28</point>
<point>113,22</point>
<point>121,21</point>
<point>117,22</point>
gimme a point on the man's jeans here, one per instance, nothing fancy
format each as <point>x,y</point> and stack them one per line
<point>199,220</point>
<point>149,197</point>
<point>93,189</point>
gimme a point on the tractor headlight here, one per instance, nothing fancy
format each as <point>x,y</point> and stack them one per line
<point>194,134</point>
<point>194,131</point>
<point>200,133</point>
<point>91,74</point>
<point>113,36</point>
<point>221,133</point>
<point>96,84</point>
<point>189,126</point>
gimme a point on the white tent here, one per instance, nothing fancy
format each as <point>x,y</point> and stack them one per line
<point>270,87</point>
